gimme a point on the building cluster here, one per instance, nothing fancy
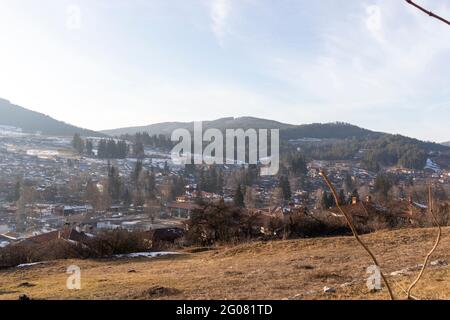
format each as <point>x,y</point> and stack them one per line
<point>48,164</point>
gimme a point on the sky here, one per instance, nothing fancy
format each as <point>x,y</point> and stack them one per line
<point>103,64</point>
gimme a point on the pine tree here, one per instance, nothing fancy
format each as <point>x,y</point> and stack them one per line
<point>111,149</point>
<point>89,147</point>
<point>249,198</point>
<point>176,187</point>
<point>150,185</point>
<point>166,167</point>
<point>348,183</point>
<point>122,149</point>
<point>199,198</point>
<point>126,197</point>
<point>327,200</point>
<point>114,183</point>
<point>342,199</point>
<point>239,198</point>
<point>202,182</point>
<point>136,174</point>
<point>220,182</point>
<point>78,143</point>
<point>285,187</point>
<point>102,152</point>
<point>297,164</point>
<point>17,189</point>
<point>138,150</point>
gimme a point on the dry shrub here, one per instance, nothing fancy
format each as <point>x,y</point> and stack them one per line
<point>158,292</point>
<point>300,225</point>
<point>114,242</point>
<point>218,223</point>
<point>103,246</point>
<point>324,275</point>
<point>14,255</point>
<point>60,249</point>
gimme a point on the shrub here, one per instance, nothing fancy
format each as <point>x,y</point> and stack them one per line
<point>104,245</point>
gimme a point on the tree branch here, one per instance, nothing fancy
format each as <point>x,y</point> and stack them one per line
<point>355,232</point>
<point>436,244</point>
<point>431,14</point>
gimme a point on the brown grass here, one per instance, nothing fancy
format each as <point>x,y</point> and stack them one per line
<point>297,269</point>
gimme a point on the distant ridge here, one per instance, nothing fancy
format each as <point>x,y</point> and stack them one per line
<point>446,143</point>
<point>32,122</point>
<point>166,128</point>
<point>336,130</point>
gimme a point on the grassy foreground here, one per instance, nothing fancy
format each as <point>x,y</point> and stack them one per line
<point>297,269</point>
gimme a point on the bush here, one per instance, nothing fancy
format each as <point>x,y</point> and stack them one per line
<point>301,225</point>
<point>104,245</point>
<point>217,223</point>
<point>114,242</point>
<point>14,255</point>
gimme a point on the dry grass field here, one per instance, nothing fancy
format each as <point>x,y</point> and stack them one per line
<point>297,269</point>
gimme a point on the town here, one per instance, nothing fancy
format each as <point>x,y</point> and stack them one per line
<point>50,186</point>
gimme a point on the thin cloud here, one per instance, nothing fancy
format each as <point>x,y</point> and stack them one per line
<point>374,22</point>
<point>219,13</point>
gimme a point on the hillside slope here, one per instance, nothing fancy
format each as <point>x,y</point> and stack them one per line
<point>32,122</point>
<point>297,269</point>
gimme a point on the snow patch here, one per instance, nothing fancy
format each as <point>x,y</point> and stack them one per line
<point>26,265</point>
<point>146,254</point>
<point>10,131</point>
<point>4,244</point>
<point>432,166</point>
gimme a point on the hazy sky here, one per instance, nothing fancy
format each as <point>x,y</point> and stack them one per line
<point>104,64</point>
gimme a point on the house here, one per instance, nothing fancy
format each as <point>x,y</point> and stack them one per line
<point>107,225</point>
<point>410,211</point>
<point>116,208</point>
<point>12,236</point>
<point>180,209</point>
<point>72,210</point>
<point>360,211</point>
<point>181,199</point>
<point>169,235</point>
<point>68,234</point>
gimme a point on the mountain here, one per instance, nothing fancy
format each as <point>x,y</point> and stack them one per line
<point>32,122</point>
<point>287,131</point>
<point>446,143</point>
<point>325,141</point>
<point>325,131</point>
<point>166,128</point>
<point>335,130</point>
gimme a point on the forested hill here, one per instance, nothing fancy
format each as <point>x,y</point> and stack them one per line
<point>376,152</point>
<point>318,141</point>
<point>31,122</point>
<point>166,128</point>
<point>288,132</point>
<point>335,130</point>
